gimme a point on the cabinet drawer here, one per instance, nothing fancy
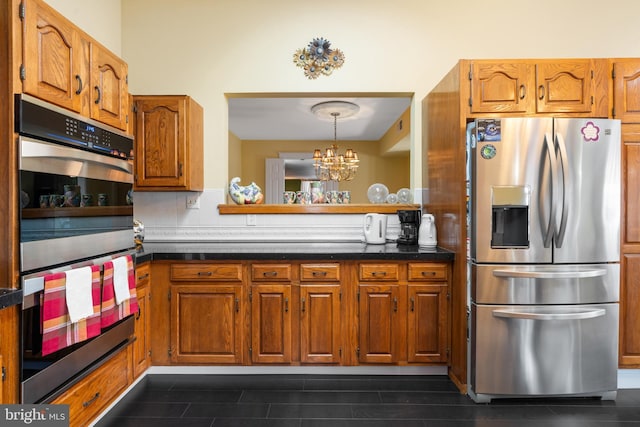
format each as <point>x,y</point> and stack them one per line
<point>319,272</point>
<point>97,390</point>
<point>143,274</point>
<point>378,272</point>
<point>206,272</point>
<point>427,271</point>
<point>269,272</point>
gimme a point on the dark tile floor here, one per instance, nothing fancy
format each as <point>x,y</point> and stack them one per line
<point>336,401</point>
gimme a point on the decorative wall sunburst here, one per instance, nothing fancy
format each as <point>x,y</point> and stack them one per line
<point>317,58</point>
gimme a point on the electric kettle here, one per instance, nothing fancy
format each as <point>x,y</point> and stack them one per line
<point>427,236</point>
<point>375,228</point>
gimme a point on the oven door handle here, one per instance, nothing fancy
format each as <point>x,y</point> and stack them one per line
<point>578,315</point>
<point>34,149</point>
<point>523,274</point>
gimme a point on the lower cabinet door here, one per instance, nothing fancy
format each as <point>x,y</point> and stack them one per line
<point>427,336</point>
<point>271,323</point>
<point>320,324</point>
<point>379,323</point>
<point>208,324</point>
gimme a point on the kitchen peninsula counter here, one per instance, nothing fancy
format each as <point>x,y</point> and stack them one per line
<point>207,251</point>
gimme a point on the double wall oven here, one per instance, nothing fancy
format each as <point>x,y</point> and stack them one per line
<point>76,178</point>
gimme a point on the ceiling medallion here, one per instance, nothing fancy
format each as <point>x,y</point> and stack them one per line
<point>318,58</point>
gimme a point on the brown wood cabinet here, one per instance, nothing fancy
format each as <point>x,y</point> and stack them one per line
<point>300,312</point>
<point>428,314</point>
<point>564,86</point>
<point>271,317</point>
<point>169,143</point>
<point>63,65</point>
<point>90,396</point>
<point>626,89</point>
<point>320,313</point>
<point>142,329</point>
<point>206,313</point>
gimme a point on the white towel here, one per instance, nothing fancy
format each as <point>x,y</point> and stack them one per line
<point>78,293</point>
<point>121,279</point>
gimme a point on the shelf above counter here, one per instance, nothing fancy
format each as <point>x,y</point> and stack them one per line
<point>353,208</point>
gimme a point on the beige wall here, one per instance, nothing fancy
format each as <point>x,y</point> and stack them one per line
<point>206,48</point>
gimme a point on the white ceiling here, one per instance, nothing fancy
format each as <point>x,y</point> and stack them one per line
<point>277,118</point>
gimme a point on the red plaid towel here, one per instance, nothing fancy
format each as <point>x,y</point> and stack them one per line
<point>57,330</point>
<point>112,312</point>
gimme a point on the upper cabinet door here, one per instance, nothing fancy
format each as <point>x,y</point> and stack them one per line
<point>501,87</point>
<point>109,89</point>
<point>55,57</point>
<point>626,90</point>
<point>565,86</point>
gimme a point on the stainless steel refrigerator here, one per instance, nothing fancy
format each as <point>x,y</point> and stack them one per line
<point>544,227</point>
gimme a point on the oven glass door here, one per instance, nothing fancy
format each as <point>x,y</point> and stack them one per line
<point>75,204</point>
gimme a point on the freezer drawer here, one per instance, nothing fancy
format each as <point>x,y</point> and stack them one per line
<point>545,284</point>
<point>544,350</point>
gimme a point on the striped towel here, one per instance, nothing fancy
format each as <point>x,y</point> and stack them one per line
<point>58,331</point>
<point>112,312</point>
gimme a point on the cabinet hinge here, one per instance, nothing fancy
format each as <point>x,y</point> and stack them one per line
<point>23,72</point>
<point>340,352</point>
<point>4,373</point>
<point>470,102</point>
<point>613,112</point>
<point>613,73</point>
<point>169,351</point>
<point>592,74</point>
<point>448,351</point>
<point>250,351</point>
<point>470,73</point>
<point>135,108</point>
<point>592,100</point>
<point>22,11</point>
<point>169,295</point>
<point>340,296</point>
<point>448,295</point>
<point>358,296</point>
<point>358,351</point>
<point>250,296</point>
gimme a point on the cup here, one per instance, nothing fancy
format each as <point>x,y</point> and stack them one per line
<point>103,199</point>
<point>71,196</point>
<point>333,196</point>
<point>87,200</point>
<point>303,197</point>
<point>55,200</point>
<point>289,197</point>
<point>344,197</point>
<point>44,200</point>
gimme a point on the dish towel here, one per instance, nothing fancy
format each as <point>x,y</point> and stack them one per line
<point>78,293</point>
<point>112,311</point>
<point>58,331</point>
<point>121,278</point>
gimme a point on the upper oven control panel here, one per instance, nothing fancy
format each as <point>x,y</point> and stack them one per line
<point>41,120</point>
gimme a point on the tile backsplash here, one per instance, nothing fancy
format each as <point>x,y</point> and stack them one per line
<point>166,217</point>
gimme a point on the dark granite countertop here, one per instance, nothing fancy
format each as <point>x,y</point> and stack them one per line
<point>188,251</point>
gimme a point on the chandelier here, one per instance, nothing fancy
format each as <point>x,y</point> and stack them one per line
<point>331,165</point>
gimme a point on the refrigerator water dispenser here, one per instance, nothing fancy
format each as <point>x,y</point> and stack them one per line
<point>510,217</point>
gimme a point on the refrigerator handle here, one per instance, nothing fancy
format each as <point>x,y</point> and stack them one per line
<point>579,315</point>
<point>562,148</point>
<point>524,274</point>
<point>551,152</point>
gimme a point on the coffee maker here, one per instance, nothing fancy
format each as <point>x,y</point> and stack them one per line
<point>409,225</point>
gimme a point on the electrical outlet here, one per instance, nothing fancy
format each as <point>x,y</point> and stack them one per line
<point>193,201</point>
<point>251,219</point>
